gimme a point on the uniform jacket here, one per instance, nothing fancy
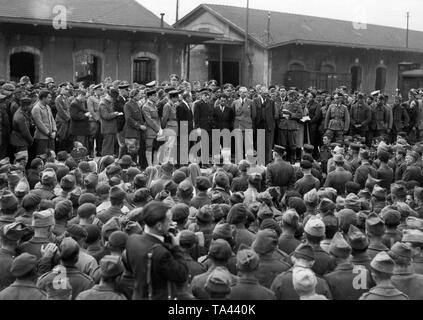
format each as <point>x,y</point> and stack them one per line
<point>375,248</point>
<point>194,268</point>
<point>44,121</point>
<point>296,114</point>
<point>315,114</point>
<point>384,293</point>
<point>271,265</point>
<point>133,120</point>
<point>283,287</point>
<point>361,114</point>
<point>280,174</point>
<point>324,262</point>
<point>245,113</point>
<point>201,199</point>
<point>250,289</point>
<point>400,118</point>
<point>380,117</point>
<point>337,118</point>
<point>100,292</point>
<point>152,120</point>
<point>418,264</point>
<point>198,283</point>
<point>33,246</point>
<point>287,243</point>
<point>93,106</point>
<point>167,266</point>
<point>4,123</point>
<point>239,183</point>
<point>341,283</point>
<point>170,119</point>
<point>22,290</point>
<point>409,283</point>
<point>21,134</point>
<point>306,184</point>
<point>362,173</point>
<point>63,109</point>
<point>118,106</point>
<point>184,113</point>
<point>107,117</point>
<point>80,125</point>
<point>243,236</point>
<point>6,259</point>
<point>265,113</point>
<point>79,281</point>
<point>412,172</point>
<point>337,180</point>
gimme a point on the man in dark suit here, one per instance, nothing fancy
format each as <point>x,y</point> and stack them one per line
<point>154,257</point>
<point>265,119</point>
<point>223,114</point>
<point>80,125</point>
<point>184,114</point>
<point>203,116</point>
<point>280,173</point>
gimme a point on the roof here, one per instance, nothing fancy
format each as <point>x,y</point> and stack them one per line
<point>107,12</point>
<point>293,28</point>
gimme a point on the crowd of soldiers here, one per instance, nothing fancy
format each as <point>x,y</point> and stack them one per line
<point>88,213</point>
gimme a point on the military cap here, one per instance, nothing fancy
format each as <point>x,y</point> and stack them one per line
<point>8,201</point>
<point>21,155</point>
<point>305,164</point>
<point>151,84</point>
<point>379,192</point>
<point>390,216</point>
<point>352,187</point>
<point>178,176</point>
<point>123,85</point>
<point>87,210</point>
<point>43,218</point>
<point>308,148</point>
<point>398,190</point>
<point>126,160</point>
<point>110,226</point>
<point>118,239</point>
<point>352,201</point>
<point>346,217</point>
<point>30,201</point>
<point>357,239</point>
<point>279,149</point>
<point>46,204</point>
<point>117,193</point>
<point>68,248</point>
<point>151,92</point>
<point>113,170</point>
<point>290,218</point>
<point>187,238</point>
<point>315,227</point>
<point>169,89</point>
<point>87,198</point>
<point>247,260</point>
<point>237,214</point>
<point>167,167</point>
<point>180,212</point>
<point>205,214</point>
<point>382,262</point>
<point>374,221</point>
<point>102,188</point>
<point>142,195</point>
<point>414,223</point>
<point>220,250</point>
<point>186,186</point>
<point>221,179</point>
<point>93,233</point>
<point>77,231</point>
<point>23,264</point>
<point>49,80</point>
<point>62,210</point>
<point>219,281</point>
<point>265,241</point>
<point>311,197</point>
<point>222,230</point>
<point>8,89</point>
<point>303,279</point>
<point>24,80</point>
<point>202,183</point>
<point>338,158</point>
<point>401,250</point>
<point>48,177</point>
<point>13,231</point>
<point>412,236</point>
<point>140,180</point>
<point>111,266</point>
<point>304,251</point>
<point>339,247</point>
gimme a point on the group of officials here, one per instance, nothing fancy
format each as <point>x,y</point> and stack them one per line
<point>344,224</point>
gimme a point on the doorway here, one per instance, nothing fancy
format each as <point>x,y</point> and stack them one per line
<point>23,64</point>
<point>230,72</point>
<point>356,75</point>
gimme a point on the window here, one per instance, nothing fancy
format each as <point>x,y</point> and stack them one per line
<point>296,66</point>
<point>143,70</point>
<point>380,78</point>
<point>88,66</point>
<point>328,68</point>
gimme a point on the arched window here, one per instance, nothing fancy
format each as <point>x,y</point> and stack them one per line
<point>356,75</point>
<point>88,66</point>
<point>328,68</point>
<point>296,66</point>
<point>25,61</point>
<point>145,67</point>
<point>380,78</point>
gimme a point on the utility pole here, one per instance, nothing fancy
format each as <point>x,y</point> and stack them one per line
<point>246,44</point>
<point>177,10</point>
<point>268,29</point>
<point>408,21</point>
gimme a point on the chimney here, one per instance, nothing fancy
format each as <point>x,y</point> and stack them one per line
<point>162,21</point>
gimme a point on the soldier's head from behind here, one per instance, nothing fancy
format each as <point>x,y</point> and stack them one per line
<point>382,268</point>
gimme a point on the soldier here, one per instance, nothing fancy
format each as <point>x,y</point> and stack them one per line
<point>93,106</point>
<point>287,242</point>
<point>382,269</point>
<point>338,178</point>
<point>375,229</point>
<point>63,118</point>
<point>337,119</point>
<point>361,115</point>
<point>188,240</point>
<point>412,107</point>
<point>170,123</point>
<point>152,121</point>
<point>288,117</point>
<point>414,238</point>
<point>404,278</point>
<point>400,119</point>
<point>248,287</point>
<point>280,173</point>
<point>108,119</point>
<point>392,220</point>
<point>341,280</point>
<point>203,117</point>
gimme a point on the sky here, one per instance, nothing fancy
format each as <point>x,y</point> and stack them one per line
<point>388,12</point>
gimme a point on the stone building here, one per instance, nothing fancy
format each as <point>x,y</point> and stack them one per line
<point>300,51</point>
<point>80,40</point>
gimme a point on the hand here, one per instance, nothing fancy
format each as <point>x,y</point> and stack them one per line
<point>143,128</point>
<point>87,114</point>
<point>199,132</point>
<point>53,135</point>
<point>174,239</point>
<point>48,250</point>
